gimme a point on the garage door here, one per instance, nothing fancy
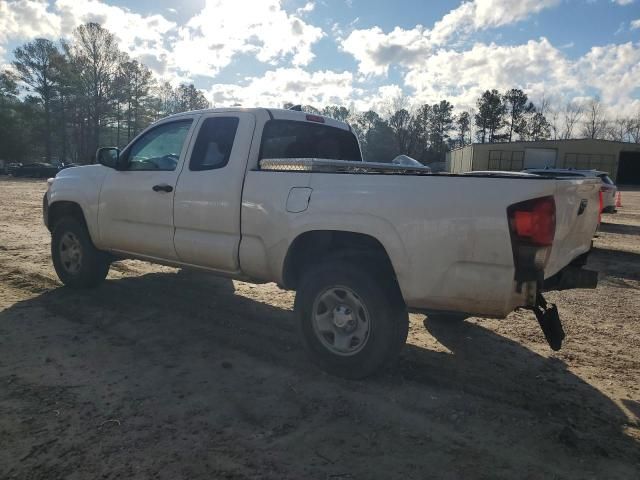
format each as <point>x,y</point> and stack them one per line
<point>539,158</point>
<point>629,169</point>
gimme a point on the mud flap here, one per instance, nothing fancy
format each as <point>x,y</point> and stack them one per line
<point>549,320</point>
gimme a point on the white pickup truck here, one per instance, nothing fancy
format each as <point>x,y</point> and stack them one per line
<point>282,196</point>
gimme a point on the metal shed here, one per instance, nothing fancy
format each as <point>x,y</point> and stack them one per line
<point>621,160</point>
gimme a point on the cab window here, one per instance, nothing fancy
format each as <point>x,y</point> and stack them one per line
<point>159,148</point>
<point>214,143</point>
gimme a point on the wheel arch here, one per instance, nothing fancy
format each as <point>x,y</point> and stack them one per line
<point>315,246</point>
<point>62,209</point>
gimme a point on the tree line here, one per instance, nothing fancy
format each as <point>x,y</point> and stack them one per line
<point>427,132</point>
<point>60,101</point>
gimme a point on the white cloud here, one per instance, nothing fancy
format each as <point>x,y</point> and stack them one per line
<point>287,85</point>
<point>536,67</point>
<point>623,2</point>
<point>299,86</point>
<point>226,28</point>
<point>433,63</point>
<point>375,50</point>
<point>614,71</point>
<point>207,43</point>
<point>482,14</point>
<point>139,35</point>
<point>308,7</point>
<point>26,19</point>
<point>142,36</point>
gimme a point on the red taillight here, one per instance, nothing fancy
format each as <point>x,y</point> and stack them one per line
<point>315,118</point>
<point>534,221</point>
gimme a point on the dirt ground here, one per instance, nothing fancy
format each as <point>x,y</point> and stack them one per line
<point>167,374</point>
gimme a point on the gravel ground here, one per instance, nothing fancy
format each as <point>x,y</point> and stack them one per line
<point>162,373</point>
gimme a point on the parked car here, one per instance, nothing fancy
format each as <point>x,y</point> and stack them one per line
<point>407,161</point>
<point>35,170</point>
<point>267,195</point>
<point>62,166</point>
<point>608,188</point>
<point>12,167</point>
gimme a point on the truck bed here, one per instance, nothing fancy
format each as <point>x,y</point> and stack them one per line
<point>447,235</point>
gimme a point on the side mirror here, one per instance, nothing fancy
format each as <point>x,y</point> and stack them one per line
<point>108,156</point>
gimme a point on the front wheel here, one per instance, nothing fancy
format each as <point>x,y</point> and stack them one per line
<point>78,263</point>
<point>351,321</point>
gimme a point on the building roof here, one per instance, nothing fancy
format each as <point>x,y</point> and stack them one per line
<point>550,142</point>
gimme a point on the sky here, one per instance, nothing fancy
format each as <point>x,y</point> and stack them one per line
<point>363,53</point>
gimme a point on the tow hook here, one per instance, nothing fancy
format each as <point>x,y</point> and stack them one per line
<point>549,320</point>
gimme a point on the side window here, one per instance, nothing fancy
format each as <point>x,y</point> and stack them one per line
<point>292,139</point>
<point>159,148</point>
<point>214,143</point>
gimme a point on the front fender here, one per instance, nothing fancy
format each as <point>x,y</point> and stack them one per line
<point>80,185</point>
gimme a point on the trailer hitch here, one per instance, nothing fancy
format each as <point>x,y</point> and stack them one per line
<point>549,320</point>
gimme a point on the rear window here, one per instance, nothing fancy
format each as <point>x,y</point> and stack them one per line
<point>605,179</point>
<point>291,139</point>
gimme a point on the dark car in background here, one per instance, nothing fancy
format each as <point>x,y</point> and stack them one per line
<point>12,167</point>
<point>35,170</point>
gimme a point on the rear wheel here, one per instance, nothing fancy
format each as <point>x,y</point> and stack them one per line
<point>351,321</point>
<point>78,263</point>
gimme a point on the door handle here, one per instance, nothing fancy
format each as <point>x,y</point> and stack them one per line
<point>163,187</point>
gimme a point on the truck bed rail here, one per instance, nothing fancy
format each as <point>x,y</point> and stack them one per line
<point>337,166</point>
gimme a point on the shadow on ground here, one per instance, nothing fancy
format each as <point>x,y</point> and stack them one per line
<point>176,375</point>
<point>615,263</point>
<point>619,228</point>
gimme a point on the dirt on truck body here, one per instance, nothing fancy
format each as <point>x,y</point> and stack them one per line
<point>164,373</point>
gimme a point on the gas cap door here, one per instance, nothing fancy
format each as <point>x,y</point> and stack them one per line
<point>298,199</point>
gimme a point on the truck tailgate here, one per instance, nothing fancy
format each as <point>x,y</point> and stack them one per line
<point>577,216</point>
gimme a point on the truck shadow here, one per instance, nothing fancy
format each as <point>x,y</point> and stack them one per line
<point>615,263</point>
<point>481,364</point>
<point>171,323</point>
<point>619,228</point>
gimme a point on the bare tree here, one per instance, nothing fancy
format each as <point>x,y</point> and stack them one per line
<point>571,115</point>
<point>595,123</point>
<point>618,129</point>
<point>634,128</point>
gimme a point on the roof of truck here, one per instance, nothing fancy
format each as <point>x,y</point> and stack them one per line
<point>274,113</point>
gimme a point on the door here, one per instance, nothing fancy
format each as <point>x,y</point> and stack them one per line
<point>539,158</point>
<point>135,214</point>
<point>209,192</point>
<point>629,168</point>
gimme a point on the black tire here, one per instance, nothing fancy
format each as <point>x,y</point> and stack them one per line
<point>93,265</point>
<point>388,318</point>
